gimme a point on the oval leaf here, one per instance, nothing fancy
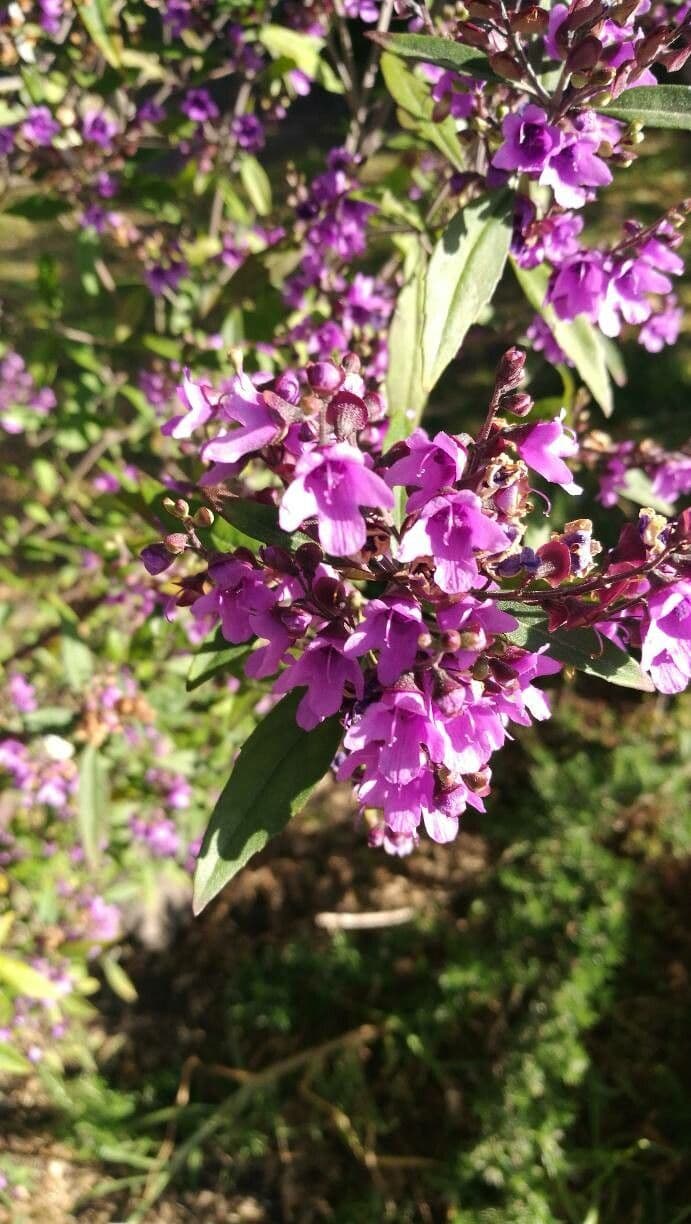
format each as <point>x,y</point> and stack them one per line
<point>404,394</point>
<point>24,980</point>
<point>442,52</point>
<point>579,339</point>
<point>415,100</point>
<point>92,809</point>
<point>463,273</point>
<point>277,769</point>
<point>214,656</point>
<point>12,1062</point>
<point>582,649</point>
<point>661,106</point>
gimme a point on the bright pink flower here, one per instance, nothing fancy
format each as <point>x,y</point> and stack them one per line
<point>391,626</point>
<point>324,671</point>
<point>543,447</point>
<point>451,529</point>
<point>331,483</point>
<point>259,424</point>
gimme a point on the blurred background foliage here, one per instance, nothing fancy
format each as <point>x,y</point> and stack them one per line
<point>514,1050</point>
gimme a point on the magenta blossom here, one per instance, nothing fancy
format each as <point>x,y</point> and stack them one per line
<point>429,466</point>
<point>259,423</point>
<point>196,400</point>
<point>331,483</point>
<point>324,671</point>
<point>572,170</point>
<point>451,529</point>
<point>543,446</point>
<point>666,637</point>
<point>391,626</point>
<point>529,141</point>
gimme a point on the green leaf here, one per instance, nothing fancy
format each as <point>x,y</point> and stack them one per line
<point>257,520</point>
<point>98,18</point>
<point>23,979</point>
<point>214,656</point>
<point>12,1062</point>
<point>463,273</point>
<point>256,182</point>
<point>416,106</point>
<point>579,339</point>
<point>120,983</point>
<point>276,771</point>
<point>578,648</point>
<point>439,51</point>
<point>661,106</point>
<point>405,396</point>
<point>39,207</point>
<point>93,802</point>
<point>302,49</point>
<point>77,659</point>
<point>638,488</point>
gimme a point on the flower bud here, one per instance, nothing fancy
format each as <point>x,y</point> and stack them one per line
<point>424,641</point>
<point>555,562</point>
<point>584,55</point>
<point>325,377</point>
<point>510,369</point>
<point>351,363</point>
<point>204,517</point>
<point>506,66</point>
<point>279,559</point>
<point>473,35</point>
<point>176,542</point>
<point>308,558</point>
<point>347,413</point>
<point>155,558</point>
<point>287,385</point>
<point>519,403</point>
<point>451,641</point>
<point>531,20</point>
<point>480,669</point>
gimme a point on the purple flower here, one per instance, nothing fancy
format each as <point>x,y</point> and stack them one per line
<point>331,483</point>
<point>429,466</point>
<point>259,424</point>
<point>99,128</point>
<point>199,106</point>
<point>529,141</point>
<point>543,446</point>
<point>7,135</point>
<point>579,286</point>
<point>155,558</point>
<point>39,127</point>
<point>324,671</point>
<point>451,529</point>
<point>666,637</point>
<point>248,132</point>
<point>572,169</point>
<point>662,327</point>
<point>239,593</point>
<point>22,694</point>
<point>391,626</point>
<point>195,398</point>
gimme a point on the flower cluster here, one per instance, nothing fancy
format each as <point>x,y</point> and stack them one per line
<point>23,404</point>
<point>408,630</point>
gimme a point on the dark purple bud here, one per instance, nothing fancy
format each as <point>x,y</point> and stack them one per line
<point>155,558</point>
<point>473,35</point>
<point>325,377</point>
<point>585,55</point>
<point>376,408</point>
<point>278,559</point>
<point>647,49</point>
<point>330,593</point>
<point>347,413</point>
<point>287,385</point>
<point>532,20</point>
<point>519,403</point>
<point>510,369</point>
<point>505,66</point>
<point>308,558</point>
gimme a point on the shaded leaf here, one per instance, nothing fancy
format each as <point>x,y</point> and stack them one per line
<point>442,52</point>
<point>579,339</point>
<point>277,769</point>
<point>119,981</point>
<point>463,273</point>
<point>255,180</point>
<point>214,656</point>
<point>77,659</point>
<point>414,98</point>
<point>661,106</point>
<point>98,18</point>
<point>257,520</point>
<point>582,649</point>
